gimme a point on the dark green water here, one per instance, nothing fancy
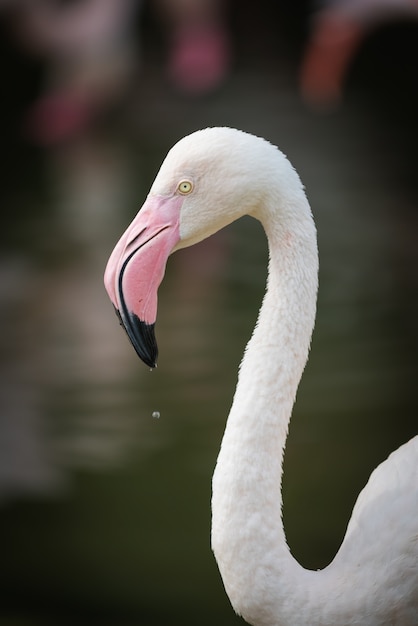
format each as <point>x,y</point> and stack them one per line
<point>105,510</point>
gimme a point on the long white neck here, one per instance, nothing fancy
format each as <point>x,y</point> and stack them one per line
<point>262,579</point>
<point>367,582</point>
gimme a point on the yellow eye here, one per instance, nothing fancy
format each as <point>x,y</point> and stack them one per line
<point>184,187</point>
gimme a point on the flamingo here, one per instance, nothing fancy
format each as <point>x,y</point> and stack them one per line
<point>209,179</point>
<point>338,30</point>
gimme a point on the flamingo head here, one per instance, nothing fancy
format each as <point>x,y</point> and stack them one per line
<point>208,179</point>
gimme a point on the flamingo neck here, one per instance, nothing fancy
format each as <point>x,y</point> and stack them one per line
<point>262,579</point>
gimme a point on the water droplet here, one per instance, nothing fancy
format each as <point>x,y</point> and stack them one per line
<point>156,415</point>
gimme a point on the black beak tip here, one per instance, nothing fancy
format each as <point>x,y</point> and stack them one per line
<point>141,336</point>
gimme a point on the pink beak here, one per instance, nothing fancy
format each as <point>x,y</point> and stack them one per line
<point>136,268</point>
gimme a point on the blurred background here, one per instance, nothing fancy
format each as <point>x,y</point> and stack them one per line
<point>105,510</point>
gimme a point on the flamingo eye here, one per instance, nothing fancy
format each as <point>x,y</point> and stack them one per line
<point>185,187</point>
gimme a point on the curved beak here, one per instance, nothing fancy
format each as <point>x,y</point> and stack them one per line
<point>136,268</point>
